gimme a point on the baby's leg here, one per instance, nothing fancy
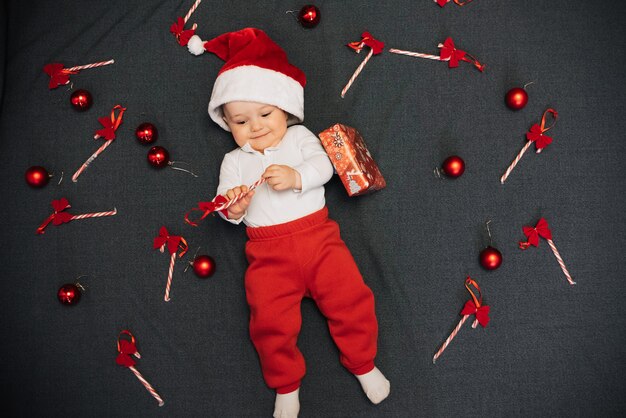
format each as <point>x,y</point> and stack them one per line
<point>287,405</point>
<point>375,385</point>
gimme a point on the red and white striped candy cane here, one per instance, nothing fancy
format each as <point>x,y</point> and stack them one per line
<point>190,12</point>
<point>240,195</point>
<point>108,132</point>
<point>560,261</point>
<point>450,338</point>
<point>417,54</point>
<point>95,214</point>
<point>473,306</point>
<point>376,47</point>
<point>147,385</point>
<point>515,161</point>
<point>356,73</point>
<point>170,274</point>
<point>87,66</point>
<point>89,160</point>
<point>173,244</point>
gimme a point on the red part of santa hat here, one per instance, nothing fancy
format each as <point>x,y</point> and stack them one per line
<point>256,69</point>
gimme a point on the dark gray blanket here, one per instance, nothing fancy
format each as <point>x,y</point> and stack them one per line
<point>551,349</point>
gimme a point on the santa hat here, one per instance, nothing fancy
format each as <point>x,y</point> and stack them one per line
<point>255,70</point>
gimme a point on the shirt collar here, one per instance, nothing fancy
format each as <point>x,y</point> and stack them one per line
<point>248,148</point>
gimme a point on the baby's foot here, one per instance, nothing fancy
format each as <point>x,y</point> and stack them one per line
<point>287,405</point>
<point>375,385</point>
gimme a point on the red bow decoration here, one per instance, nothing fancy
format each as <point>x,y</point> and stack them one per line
<point>173,242</point>
<point>110,124</point>
<point>536,131</point>
<point>474,306</point>
<point>58,217</point>
<point>207,208</point>
<point>533,234</point>
<point>442,3</point>
<point>449,51</point>
<point>367,39</point>
<point>126,349</point>
<point>182,35</point>
<point>58,75</point>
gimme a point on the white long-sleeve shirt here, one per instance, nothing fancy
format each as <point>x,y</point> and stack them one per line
<point>299,149</point>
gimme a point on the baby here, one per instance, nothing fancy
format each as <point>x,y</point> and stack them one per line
<point>294,250</point>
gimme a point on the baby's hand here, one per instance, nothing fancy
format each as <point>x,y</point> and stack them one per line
<point>237,210</point>
<point>282,177</point>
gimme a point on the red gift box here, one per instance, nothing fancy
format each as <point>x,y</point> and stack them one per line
<point>352,161</point>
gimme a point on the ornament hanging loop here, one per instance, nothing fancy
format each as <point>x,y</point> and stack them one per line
<point>189,264</point>
<point>489,231</point>
<point>171,164</point>
<point>528,84</point>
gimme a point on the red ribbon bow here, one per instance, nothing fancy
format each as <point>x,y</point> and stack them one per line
<point>533,234</point>
<point>58,75</point>
<point>182,35</point>
<point>110,124</point>
<point>126,349</point>
<point>536,131</point>
<point>474,306</point>
<point>449,51</point>
<point>207,208</point>
<point>442,3</point>
<point>367,39</point>
<point>58,217</point>
<point>173,242</point>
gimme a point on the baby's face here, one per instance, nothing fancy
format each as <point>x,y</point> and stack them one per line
<point>261,125</point>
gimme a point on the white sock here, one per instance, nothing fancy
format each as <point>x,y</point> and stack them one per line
<point>287,405</point>
<point>375,385</point>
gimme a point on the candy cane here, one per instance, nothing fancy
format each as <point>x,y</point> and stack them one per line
<point>417,54</point>
<point>147,385</point>
<point>108,132</point>
<point>90,160</point>
<point>536,134</point>
<point>560,261</point>
<point>190,12</point>
<point>356,73</point>
<point>170,274</point>
<point>514,163</point>
<point>376,47</point>
<point>127,349</point>
<point>59,216</point>
<point>450,338</point>
<point>95,214</point>
<point>473,306</point>
<point>215,206</point>
<point>87,66</point>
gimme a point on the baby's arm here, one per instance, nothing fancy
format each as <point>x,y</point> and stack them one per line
<point>230,186</point>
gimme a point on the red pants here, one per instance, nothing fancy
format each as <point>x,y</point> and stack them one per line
<point>289,261</point>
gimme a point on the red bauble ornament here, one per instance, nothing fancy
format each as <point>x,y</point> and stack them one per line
<point>453,166</point>
<point>146,133</point>
<point>203,266</point>
<point>490,258</point>
<point>81,100</point>
<point>69,294</point>
<point>37,176</point>
<point>309,16</point>
<point>516,98</point>
<point>158,157</point>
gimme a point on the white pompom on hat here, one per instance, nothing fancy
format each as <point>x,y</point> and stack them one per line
<point>256,69</point>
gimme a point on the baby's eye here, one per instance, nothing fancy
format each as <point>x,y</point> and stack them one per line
<point>266,114</point>
<point>240,122</point>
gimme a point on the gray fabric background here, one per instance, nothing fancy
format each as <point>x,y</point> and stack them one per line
<point>550,350</point>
